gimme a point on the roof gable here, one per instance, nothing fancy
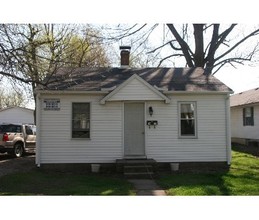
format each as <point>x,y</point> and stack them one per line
<point>135,88</point>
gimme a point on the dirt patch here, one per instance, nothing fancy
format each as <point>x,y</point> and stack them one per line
<point>9,164</point>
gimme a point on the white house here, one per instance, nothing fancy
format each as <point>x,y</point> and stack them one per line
<point>99,115</point>
<point>245,116</point>
<point>17,114</point>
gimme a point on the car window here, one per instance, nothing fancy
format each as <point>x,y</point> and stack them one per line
<point>11,128</point>
<point>28,130</point>
<point>34,129</point>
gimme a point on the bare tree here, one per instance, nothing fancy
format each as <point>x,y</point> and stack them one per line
<point>209,46</point>
<point>213,45</point>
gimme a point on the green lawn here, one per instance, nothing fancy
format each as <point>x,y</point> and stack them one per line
<point>53,183</point>
<point>241,179</point>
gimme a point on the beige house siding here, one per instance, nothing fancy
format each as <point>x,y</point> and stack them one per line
<point>239,131</point>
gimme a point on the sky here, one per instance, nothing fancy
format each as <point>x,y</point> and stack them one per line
<point>240,79</point>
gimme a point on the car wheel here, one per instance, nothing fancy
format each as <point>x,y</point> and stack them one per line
<point>18,150</point>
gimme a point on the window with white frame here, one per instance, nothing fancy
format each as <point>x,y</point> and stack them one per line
<point>80,120</point>
<point>248,116</point>
<point>187,119</point>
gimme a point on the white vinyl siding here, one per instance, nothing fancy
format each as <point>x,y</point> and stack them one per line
<point>134,91</point>
<point>162,143</point>
<point>57,146</point>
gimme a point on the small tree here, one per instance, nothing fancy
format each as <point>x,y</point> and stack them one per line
<point>31,52</point>
<point>11,98</point>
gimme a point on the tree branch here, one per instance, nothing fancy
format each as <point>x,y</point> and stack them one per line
<point>238,43</point>
<point>184,46</point>
<point>238,60</point>
<point>165,58</point>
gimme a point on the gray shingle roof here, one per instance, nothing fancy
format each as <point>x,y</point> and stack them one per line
<point>171,79</point>
<point>245,98</point>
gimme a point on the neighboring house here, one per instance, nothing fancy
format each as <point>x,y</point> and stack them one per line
<point>17,115</point>
<point>104,114</point>
<point>245,117</point>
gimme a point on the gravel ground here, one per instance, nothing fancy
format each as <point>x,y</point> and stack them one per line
<point>9,164</point>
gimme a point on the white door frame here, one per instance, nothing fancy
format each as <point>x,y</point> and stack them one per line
<point>123,132</point>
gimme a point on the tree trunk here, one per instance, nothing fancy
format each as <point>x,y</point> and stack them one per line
<point>199,47</point>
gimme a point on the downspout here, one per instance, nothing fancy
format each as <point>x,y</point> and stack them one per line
<point>38,121</point>
<point>228,130</point>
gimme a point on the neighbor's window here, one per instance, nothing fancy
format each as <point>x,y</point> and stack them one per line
<point>248,116</point>
<point>80,120</point>
<point>187,119</point>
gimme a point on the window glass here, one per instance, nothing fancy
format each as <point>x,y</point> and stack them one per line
<point>187,119</point>
<point>81,120</point>
<point>28,130</point>
<point>51,104</point>
<point>248,116</point>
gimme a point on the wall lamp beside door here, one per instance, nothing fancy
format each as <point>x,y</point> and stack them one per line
<point>150,111</point>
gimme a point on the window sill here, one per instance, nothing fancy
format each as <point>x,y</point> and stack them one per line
<point>187,137</point>
<point>87,139</point>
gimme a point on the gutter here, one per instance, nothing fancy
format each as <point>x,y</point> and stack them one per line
<point>228,130</point>
<point>38,124</point>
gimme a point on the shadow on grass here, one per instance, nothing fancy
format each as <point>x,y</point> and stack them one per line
<point>253,150</point>
<point>52,183</point>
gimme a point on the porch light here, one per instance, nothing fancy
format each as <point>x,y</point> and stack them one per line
<point>150,110</point>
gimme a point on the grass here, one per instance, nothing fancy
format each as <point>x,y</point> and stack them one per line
<point>241,179</point>
<point>53,183</point>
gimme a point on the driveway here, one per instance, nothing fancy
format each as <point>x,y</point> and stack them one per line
<point>9,164</point>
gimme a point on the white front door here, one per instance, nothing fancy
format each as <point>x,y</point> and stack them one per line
<point>134,129</point>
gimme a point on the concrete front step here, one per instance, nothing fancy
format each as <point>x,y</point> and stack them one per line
<point>137,168</point>
<point>135,161</point>
<point>139,175</point>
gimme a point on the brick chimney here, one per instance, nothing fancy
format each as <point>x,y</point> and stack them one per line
<point>125,53</point>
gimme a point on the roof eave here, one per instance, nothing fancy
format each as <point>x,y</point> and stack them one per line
<point>199,92</point>
<point>245,104</point>
<point>70,92</point>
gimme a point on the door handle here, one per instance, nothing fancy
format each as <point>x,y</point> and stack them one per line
<point>143,132</point>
